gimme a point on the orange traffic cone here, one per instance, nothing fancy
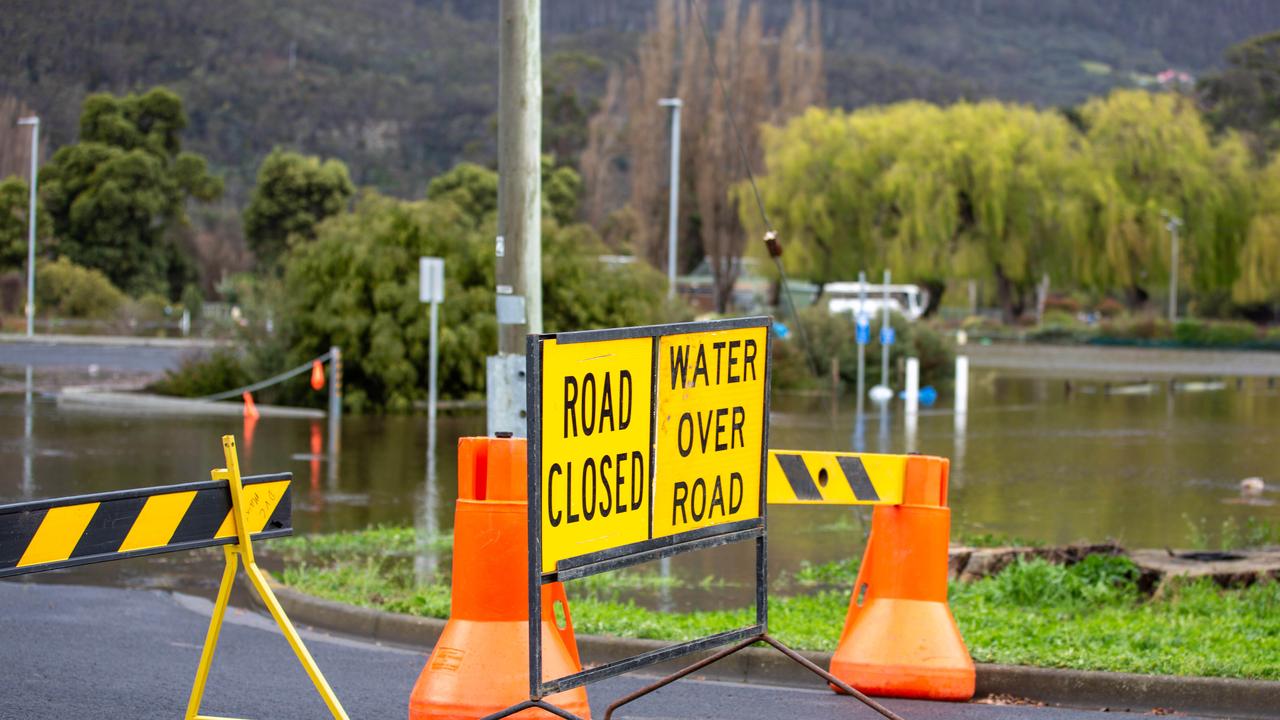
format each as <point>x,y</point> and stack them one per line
<point>317,375</point>
<point>900,638</point>
<point>480,665</point>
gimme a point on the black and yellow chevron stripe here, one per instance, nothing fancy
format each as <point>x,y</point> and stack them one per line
<point>808,477</point>
<point>49,534</point>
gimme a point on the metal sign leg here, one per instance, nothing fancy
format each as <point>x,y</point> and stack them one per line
<point>838,683</point>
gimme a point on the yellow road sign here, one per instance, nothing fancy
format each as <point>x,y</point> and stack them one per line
<point>643,434</point>
<point>804,477</point>
<point>48,534</point>
<point>711,395</point>
<point>597,409</point>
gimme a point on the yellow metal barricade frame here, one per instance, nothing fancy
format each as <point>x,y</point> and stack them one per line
<point>243,550</point>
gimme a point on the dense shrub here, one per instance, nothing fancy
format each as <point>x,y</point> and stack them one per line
<point>1060,327</point>
<point>1214,334</point>
<point>834,336</point>
<point>356,286</point>
<point>1110,308</point>
<point>1061,303</point>
<point>202,375</point>
<point>67,290</point>
<point>1137,328</point>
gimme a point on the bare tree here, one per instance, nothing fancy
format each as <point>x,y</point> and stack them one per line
<point>761,79</point>
<point>599,160</point>
<point>15,140</point>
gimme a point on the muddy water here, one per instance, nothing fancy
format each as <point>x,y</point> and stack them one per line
<point>1032,459</point>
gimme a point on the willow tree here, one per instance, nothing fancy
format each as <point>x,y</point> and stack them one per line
<point>980,190</point>
<point>1259,277</point>
<point>1015,172</point>
<point>1158,150</point>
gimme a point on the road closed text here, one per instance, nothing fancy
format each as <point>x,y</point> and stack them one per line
<point>596,446</point>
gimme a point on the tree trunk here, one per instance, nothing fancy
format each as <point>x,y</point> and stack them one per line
<point>1011,300</point>
<point>935,288</point>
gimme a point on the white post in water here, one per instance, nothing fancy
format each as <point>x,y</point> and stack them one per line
<point>862,324</point>
<point>673,200</point>
<point>962,384</point>
<point>913,402</point>
<point>886,332</point>
<point>913,386</point>
<point>883,392</point>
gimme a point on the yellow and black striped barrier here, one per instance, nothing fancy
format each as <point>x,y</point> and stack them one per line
<point>50,534</point>
<point>229,510</point>
<point>806,477</point>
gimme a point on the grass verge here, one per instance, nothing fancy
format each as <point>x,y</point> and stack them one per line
<point>1089,616</point>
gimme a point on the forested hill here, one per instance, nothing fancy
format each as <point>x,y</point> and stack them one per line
<point>401,89</point>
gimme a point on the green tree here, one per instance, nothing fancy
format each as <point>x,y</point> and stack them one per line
<point>294,194</point>
<point>14,214</point>
<point>1259,279</point>
<point>118,195</point>
<point>979,190</point>
<point>1245,95</point>
<point>356,286</point>
<point>1158,150</point>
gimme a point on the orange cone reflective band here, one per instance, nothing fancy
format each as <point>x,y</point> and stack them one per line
<point>250,410</point>
<point>899,637</point>
<point>317,375</point>
<point>480,665</point>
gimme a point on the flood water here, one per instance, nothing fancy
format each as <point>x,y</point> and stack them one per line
<point>1032,459</point>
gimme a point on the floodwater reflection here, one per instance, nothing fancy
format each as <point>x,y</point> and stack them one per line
<point>1032,458</point>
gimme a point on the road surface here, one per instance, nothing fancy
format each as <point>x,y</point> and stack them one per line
<point>72,651</point>
<point>1126,363</point>
<point>123,354</point>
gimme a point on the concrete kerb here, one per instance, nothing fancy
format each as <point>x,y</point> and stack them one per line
<point>1217,697</point>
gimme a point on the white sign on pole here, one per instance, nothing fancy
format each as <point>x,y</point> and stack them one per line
<point>431,280</point>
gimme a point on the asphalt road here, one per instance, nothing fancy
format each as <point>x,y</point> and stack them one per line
<point>70,652</point>
<point>132,358</point>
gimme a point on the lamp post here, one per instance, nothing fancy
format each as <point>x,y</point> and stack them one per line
<point>673,205</point>
<point>1173,223</point>
<point>34,122</point>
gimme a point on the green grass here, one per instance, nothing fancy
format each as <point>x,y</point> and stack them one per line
<point>378,541</point>
<point>1088,616</point>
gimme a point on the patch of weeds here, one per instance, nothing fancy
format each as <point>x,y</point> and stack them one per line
<point>995,540</point>
<point>836,573</point>
<point>378,541</point>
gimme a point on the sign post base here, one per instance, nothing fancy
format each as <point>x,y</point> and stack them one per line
<point>834,681</point>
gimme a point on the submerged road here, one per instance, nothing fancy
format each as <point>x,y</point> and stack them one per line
<point>70,651</point>
<point>123,354</point>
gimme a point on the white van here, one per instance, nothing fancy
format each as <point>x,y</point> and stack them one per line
<point>846,297</point>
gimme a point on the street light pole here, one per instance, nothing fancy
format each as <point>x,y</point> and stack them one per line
<point>1174,222</point>
<point>34,122</point>
<point>673,206</point>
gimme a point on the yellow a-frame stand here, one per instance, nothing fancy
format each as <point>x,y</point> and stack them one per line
<point>242,549</point>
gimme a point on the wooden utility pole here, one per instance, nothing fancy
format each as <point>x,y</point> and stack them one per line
<point>519,175</point>
<point>519,242</point>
